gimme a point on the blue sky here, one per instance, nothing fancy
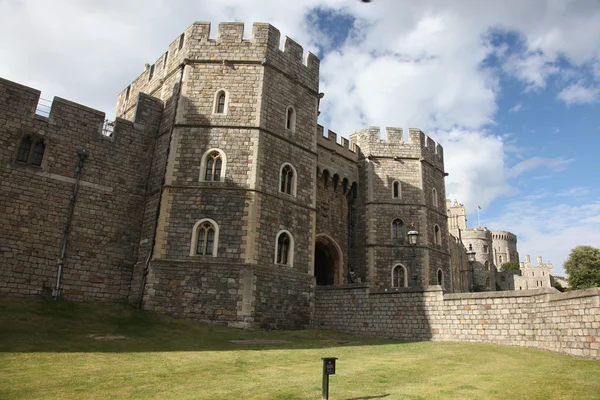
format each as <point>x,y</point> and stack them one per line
<point>511,89</point>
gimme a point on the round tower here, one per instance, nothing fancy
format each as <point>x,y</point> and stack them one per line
<point>505,248</point>
<point>480,241</point>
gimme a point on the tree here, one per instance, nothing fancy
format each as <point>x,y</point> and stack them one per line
<point>583,267</point>
<point>511,266</point>
<point>557,285</point>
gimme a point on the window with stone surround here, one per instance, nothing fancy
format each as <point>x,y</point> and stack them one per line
<point>437,235</point>
<point>396,190</point>
<point>398,230</point>
<point>440,277</point>
<point>205,238</point>
<point>485,248</point>
<point>212,166</point>
<point>434,197</point>
<point>284,244</point>
<point>221,102</point>
<point>487,265</point>
<point>290,119</point>
<point>31,150</point>
<point>488,283</point>
<point>399,276</point>
<point>287,179</point>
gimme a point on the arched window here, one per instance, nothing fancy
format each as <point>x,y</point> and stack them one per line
<point>396,193</point>
<point>437,235</point>
<point>325,178</point>
<point>31,150</point>
<point>398,230</point>
<point>434,197</point>
<point>24,149</point>
<point>287,180</point>
<point>345,185</point>
<point>212,167</point>
<point>284,253</point>
<point>440,278</point>
<point>399,276</point>
<point>221,100</point>
<point>290,119</point>
<point>38,153</point>
<point>205,238</point>
<point>335,180</point>
<point>487,265</point>
<point>488,283</point>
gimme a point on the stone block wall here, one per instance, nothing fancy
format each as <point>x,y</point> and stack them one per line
<point>103,235</point>
<point>544,318</point>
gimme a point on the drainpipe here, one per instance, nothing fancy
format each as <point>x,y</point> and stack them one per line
<point>157,213</point>
<point>82,154</point>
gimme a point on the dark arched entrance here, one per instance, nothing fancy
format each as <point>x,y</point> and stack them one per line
<point>327,261</point>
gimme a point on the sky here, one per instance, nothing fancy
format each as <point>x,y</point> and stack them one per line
<point>510,88</point>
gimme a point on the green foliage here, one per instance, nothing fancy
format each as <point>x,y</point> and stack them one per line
<point>583,267</point>
<point>557,285</point>
<point>510,266</point>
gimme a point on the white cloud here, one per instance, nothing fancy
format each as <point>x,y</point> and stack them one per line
<point>578,93</point>
<point>553,229</point>
<point>477,173</point>
<point>406,63</point>
<point>533,69</point>
<point>516,108</point>
<point>538,162</point>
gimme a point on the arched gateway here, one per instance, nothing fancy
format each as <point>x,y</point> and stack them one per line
<point>328,261</point>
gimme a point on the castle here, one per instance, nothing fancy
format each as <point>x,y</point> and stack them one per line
<point>490,251</point>
<point>215,194</point>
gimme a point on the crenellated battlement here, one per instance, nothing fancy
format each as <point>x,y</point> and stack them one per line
<point>22,101</point>
<point>344,148</point>
<point>393,144</point>
<point>195,45</point>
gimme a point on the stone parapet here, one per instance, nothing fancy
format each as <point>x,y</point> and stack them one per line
<point>544,318</point>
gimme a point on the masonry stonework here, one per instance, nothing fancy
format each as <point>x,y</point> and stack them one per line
<point>543,318</point>
<point>217,196</point>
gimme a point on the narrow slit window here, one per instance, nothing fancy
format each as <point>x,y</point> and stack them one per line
<point>220,103</point>
<point>283,249</point>
<point>396,190</point>
<point>287,179</point>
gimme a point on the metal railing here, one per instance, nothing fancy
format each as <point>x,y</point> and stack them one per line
<point>108,127</point>
<point>43,107</point>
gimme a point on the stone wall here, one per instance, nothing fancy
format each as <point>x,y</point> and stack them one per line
<point>103,234</point>
<point>544,318</point>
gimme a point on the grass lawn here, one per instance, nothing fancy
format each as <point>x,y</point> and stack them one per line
<point>63,350</point>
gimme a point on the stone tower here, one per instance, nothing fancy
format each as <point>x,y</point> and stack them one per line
<point>216,195</point>
<point>247,110</point>
<point>402,183</point>
<point>479,240</point>
<point>505,248</point>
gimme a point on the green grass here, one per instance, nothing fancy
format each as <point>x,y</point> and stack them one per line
<point>50,350</point>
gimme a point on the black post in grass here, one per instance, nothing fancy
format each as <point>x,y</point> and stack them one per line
<point>328,369</point>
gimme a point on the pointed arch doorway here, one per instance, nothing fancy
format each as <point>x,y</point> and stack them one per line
<point>329,262</point>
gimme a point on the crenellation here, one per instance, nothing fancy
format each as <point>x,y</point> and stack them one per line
<point>230,32</point>
<point>219,139</point>
<point>344,148</point>
<point>394,135</point>
<point>293,50</point>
